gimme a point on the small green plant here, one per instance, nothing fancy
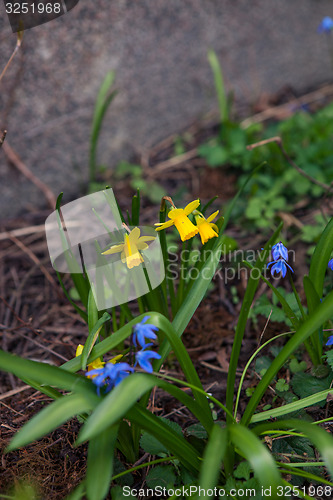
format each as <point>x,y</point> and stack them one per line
<point>111,400</point>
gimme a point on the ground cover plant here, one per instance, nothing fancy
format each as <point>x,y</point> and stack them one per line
<point>234,444</point>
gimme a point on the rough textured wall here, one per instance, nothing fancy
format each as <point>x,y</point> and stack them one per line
<point>159,51</point>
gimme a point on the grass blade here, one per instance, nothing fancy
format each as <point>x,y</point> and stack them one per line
<point>100,463</point>
<point>257,455</point>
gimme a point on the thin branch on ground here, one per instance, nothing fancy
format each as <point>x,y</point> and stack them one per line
<point>278,141</point>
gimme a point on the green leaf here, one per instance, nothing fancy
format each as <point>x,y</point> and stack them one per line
<point>291,407</point>
<point>115,405</point>
<point>212,458</point>
<point>320,258</point>
<point>219,85</point>
<point>103,101</point>
<point>329,356</point>
<point>77,493</point>
<point>320,438</point>
<point>176,444</point>
<point>296,366</point>
<point>100,463</point>
<point>92,337</point>
<point>45,374</point>
<point>257,455</point>
<point>197,430</point>
<point>304,384</point>
<point>152,445</point>
<point>215,155</point>
<point>51,417</point>
<point>162,476</point>
<point>281,385</point>
<point>243,471</point>
<point>293,445</point>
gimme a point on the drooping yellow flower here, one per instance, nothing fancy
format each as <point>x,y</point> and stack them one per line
<point>179,218</point>
<point>207,229</point>
<point>133,242</point>
<point>97,363</point>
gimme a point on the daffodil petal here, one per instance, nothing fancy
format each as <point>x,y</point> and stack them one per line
<point>191,206</point>
<point>134,235</point>
<point>163,225</point>
<point>214,226</point>
<point>79,350</point>
<point>211,217</point>
<point>114,249</point>
<point>147,238</point>
<point>141,245</point>
<point>175,213</point>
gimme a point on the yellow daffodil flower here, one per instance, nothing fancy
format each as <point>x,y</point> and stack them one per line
<point>97,363</point>
<point>133,242</point>
<point>207,229</point>
<point>179,218</point>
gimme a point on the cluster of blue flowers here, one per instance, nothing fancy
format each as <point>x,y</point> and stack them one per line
<point>326,25</point>
<point>113,373</point>
<point>280,260</point>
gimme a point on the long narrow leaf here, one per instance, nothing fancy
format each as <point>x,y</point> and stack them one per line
<point>100,463</point>
<point>51,417</point>
<point>320,258</point>
<point>43,373</point>
<point>92,337</point>
<point>212,459</point>
<point>257,454</point>
<point>320,438</point>
<point>291,407</point>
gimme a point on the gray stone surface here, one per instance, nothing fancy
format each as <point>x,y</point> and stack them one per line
<point>158,49</point>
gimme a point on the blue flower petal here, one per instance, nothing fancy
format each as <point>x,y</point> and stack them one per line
<point>330,340</point>
<point>141,331</point>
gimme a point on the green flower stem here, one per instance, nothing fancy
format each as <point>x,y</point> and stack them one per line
<point>307,343</point>
<point>168,283</point>
<point>248,364</point>
<point>114,319</point>
<point>182,272</point>
<point>296,295</point>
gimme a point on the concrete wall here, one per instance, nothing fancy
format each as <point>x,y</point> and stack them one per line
<point>159,51</point>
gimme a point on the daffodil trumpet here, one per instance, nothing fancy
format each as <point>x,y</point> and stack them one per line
<point>207,229</point>
<point>179,218</point>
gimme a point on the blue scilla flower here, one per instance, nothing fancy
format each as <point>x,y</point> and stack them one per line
<point>280,258</point>
<point>279,250</point>
<point>109,376</point>
<point>330,340</point>
<point>330,264</point>
<point>142,331</point>
<point>143,358</point>
<point>279,266</point>
<point>326,25</point>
